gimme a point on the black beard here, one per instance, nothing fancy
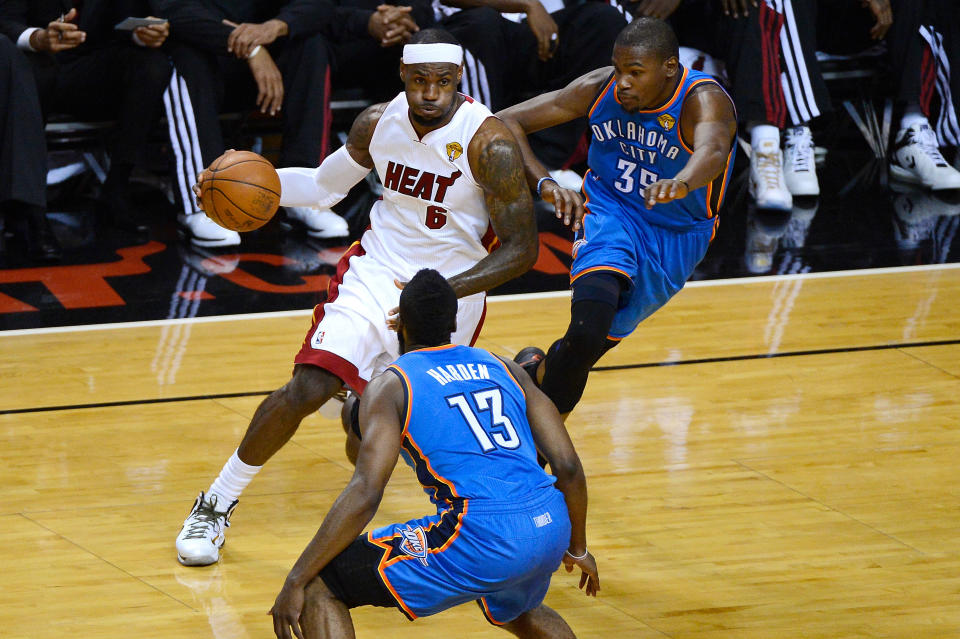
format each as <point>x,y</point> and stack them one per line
<point>422,121</point>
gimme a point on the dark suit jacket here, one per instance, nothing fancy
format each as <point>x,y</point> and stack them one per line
<point>198,22</point>
<point>96,17</point>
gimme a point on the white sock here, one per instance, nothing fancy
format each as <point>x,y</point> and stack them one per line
<point>762,132</point>
<point>234,477</point>
<point>913,115</point>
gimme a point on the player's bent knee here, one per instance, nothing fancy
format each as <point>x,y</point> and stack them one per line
<point>309,388</point>
<point>586,343</point>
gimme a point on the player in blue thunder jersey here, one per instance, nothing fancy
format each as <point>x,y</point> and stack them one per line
<point>662,142</point>
<point>470,425</point>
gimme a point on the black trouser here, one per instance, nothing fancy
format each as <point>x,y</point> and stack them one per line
<point>118,81</point>
<point>23,148</point>
<point>486,54</point>
<point>513,72</point>
<point>923,42</point>
<point>772,64</point>
<point>380,75</point>
<point>214,82</point>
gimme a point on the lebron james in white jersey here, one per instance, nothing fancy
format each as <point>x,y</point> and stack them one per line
<point>454,186</point>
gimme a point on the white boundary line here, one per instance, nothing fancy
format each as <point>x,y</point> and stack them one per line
<point>493,299</point>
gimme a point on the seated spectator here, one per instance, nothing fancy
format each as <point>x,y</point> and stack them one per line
<point>776,84</point>
<point>23,156</point>
<point>515,49</point>
<point>924,46</point>
<point>276,60</point>
<point>83,67</point>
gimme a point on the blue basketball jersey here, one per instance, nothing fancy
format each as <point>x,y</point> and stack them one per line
<point>466,433</point>
<point>631,151</point>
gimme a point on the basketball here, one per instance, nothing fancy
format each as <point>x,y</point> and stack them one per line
<point>243,193</point>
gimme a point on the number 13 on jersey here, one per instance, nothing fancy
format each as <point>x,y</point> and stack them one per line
<point>502,432</point>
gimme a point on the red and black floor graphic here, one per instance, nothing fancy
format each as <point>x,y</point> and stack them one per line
<point>107,276</point>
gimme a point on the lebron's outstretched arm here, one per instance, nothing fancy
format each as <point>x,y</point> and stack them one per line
<point>340,171</point>
<point>498,167</point>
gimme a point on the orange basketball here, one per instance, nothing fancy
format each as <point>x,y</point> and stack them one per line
<point>243,193</point>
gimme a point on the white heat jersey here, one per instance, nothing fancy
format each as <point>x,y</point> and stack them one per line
<point>432,214</point>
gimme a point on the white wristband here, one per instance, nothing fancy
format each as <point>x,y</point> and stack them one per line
<point>254,52</point>
<point>540,184</point>
<point>576,558</point>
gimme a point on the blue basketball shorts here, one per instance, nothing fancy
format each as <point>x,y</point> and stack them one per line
<point>500,555</point>
<point>655,259</point>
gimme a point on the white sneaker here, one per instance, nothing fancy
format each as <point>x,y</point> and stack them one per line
<point>766,177</point>
<point>916,158</point>
<point>203,231</point>
<point>799,226</point>
<point>799,163</point>
<point>318,222</point>
<point>203,532</point>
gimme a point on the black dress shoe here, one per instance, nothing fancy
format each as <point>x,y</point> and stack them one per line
<point>42,244</point>
<point>117,212</point>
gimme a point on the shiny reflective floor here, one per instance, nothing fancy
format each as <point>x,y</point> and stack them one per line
<point>860,221</point>
<point>766,457</point>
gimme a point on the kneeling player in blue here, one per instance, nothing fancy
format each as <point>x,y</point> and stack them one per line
<point>662,142</point>
<point>469,424</point>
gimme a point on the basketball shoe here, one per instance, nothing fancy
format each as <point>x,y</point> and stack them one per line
<point>321,223</point>
<point>799,165</point>
<point>916,158</point>
<point>202,231</point>
<point>529,359</point>
<point>203,532</point>
<point>766,177</point>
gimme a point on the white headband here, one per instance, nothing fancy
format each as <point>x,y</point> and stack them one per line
<point>436,52</point>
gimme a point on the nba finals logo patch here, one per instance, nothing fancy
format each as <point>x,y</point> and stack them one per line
<point>414,541</point>
<point>666,121</point>
<point>454,150</point>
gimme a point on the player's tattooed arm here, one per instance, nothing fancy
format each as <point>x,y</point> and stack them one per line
<point>550,109</point>
<point>358,140</point>
<point>497,166</point>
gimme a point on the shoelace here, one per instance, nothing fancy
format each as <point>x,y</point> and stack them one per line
<point>204,518</point>
<point>768,167</point>
<point>800,150</point>
<point>927,142</point>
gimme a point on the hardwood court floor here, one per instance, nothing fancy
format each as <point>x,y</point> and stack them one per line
<point>794,474</point>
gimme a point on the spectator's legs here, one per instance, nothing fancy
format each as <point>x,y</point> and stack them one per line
<point>487,54</point>
<point>128,82</point>
<point>379,80</point>
<point>587,34</point>
<point>23,159</point>
<point>305,64</point>
<point>923,42</point>
<point>192,104</point>
<point>771,61</point>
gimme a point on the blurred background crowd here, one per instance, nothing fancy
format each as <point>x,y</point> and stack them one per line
<point>92,109</point>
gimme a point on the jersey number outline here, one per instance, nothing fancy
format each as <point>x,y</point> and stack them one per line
<point>624,183</point>
<point>487,400</point>
<point>436,217</point>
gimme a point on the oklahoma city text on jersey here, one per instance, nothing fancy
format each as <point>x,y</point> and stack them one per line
<point>654,141</point>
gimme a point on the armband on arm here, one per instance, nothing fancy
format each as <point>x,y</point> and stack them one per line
<point>323,186</point>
